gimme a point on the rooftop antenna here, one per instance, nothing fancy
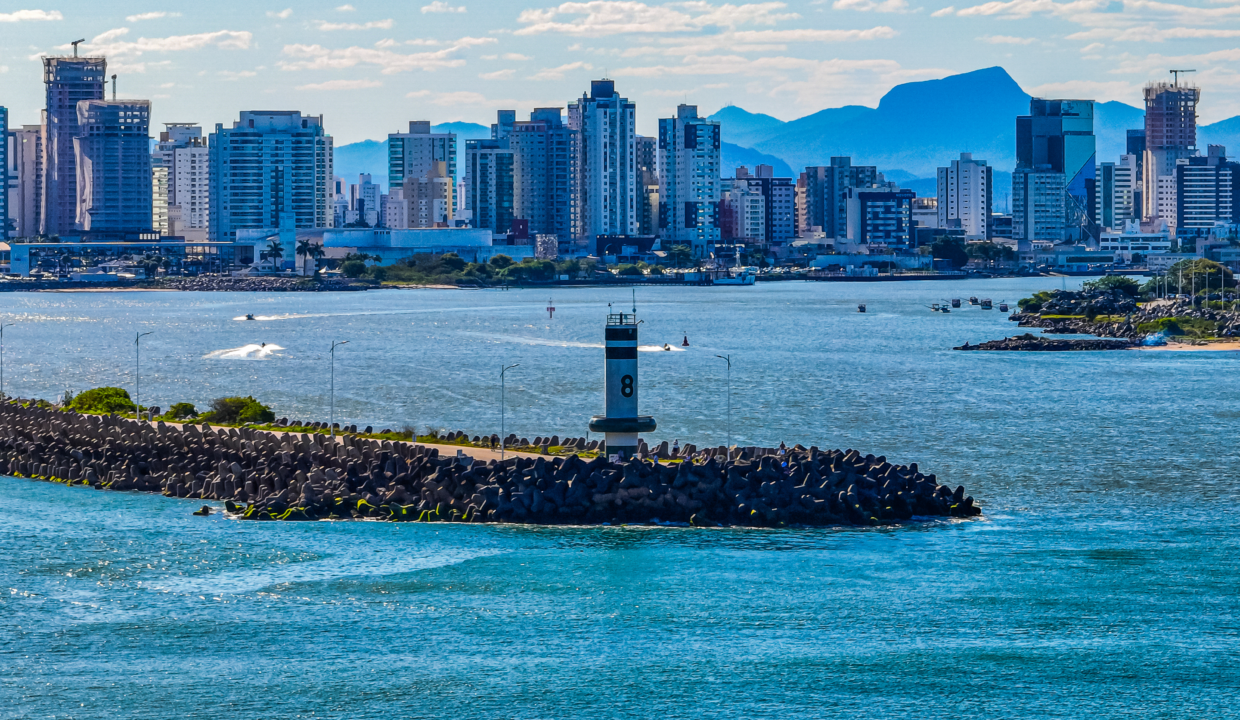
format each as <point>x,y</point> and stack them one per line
<point>113,88</point>
<point>75,43</point>
<point>1176,73</point>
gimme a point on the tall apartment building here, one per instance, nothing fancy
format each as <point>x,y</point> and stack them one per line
<point>742,214</point>
<point>545,166</point>
<point>1207,193</point>
<point>825,195</point>
<point>1170,136</point>
<point>778,200</point>
<point>268,167</point>
<point>880,215</point>
<point>112,154</point>
<point>488,175</point>
<point>182,152</point>
<point>25,184</point>
<point>606,124</point>
<point>364,201</point>
<point>428,199</point>
<point>965,195</point>
<point>161,222</point>
<point>647,185</point>
<point>1057,137</point>
<point>689,181</point>
<point>414,154</point>
<point>8,177</point>
<point>68,81</point>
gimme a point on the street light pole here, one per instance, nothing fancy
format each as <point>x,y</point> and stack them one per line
<point>2,327</point>
<point>728,359</point>
<point>331,418</point>
<point>137,374</point>
<point>502,436</point>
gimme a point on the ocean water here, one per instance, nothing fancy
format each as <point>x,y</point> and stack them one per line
<point>1103,581</point>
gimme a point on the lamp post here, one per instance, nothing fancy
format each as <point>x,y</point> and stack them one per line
<point>502,436</point>
<point>728,360</point>
<point>137,374</point>
<point>331,417</point>
<point>2,327</point>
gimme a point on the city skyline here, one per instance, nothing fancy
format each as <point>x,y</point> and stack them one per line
<point>369,67</point>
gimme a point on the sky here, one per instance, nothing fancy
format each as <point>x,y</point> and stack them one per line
<point>369,67</point>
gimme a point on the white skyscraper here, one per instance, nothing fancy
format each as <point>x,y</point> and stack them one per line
<point>267,167</point>
<point>689,180</point>
<point>606,124</point>
<point>25,196</point>
<point>182,151</point>
<point>965,195</point>
<point>413,155</point>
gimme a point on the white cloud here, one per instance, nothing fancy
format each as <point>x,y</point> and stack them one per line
<point>753,41</point>
<point>558,73</point>
<point>1095,90</point>
<point>284,14</point>
<point>372,25</point>
<point>4,69</point>
<point>1006,40</point>
<point>885,6</point>
<point>317,57</point>
<point>28,15</point>
<point>345,8</point>
<point>1092,47</point>
<point>110,44</point>
<point>596,18</point>
<point>151,16</point>
<point>498,74</point>
<point>236,75</point>
<point>1028,8</point>
<point>342,85</point>
<point>950,9</point>
<point>1154,33</point>
<point>516,56</point>
<point>439,6</point>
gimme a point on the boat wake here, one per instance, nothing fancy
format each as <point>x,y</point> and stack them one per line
<point>287,316</point>
<point>659,348</point>
<point>245,352</point>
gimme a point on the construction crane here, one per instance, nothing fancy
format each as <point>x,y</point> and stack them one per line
<point>75,43</point>
<point>1176,73</point>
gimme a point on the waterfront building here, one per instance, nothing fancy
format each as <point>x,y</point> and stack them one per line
<point>1170,136</point>
<point>778,199</point>
<point>182,153</point>
<point>742,214</point>
<point>648,197</point>
<point>1130,244</point>
<point>606,126</point>
<point>1056,138</point>
<point>25,180</point>
<point>68,81</point>
<point>428,200</point>
<point>488,175</point>
<point>1207,193</point>
<point>544,171</point>
<point>161,223</point>
<point>924,213</point>
<point>965,194</point>
<point>880,216</point>
<point>270,169</point>
<point>414,154</point>
<point>112,155</point>
<point>7,175</point>
<point>825,196</point>
<point>689,181</point>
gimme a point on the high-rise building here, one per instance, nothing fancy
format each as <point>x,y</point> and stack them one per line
<point>1039,209</point>
<point>414,154</point>
<point>428,199</point>
<point>488,175</point>
<point>183,153</point>
<point>825,196</point>
<point>1127,189</point>
<point>1170,136</point>
<point>778,199</point>
<point>161,222</point>
<point>7,175</point>
<point>689,181</point>
<point>68,81</point>
<point>270,169</point>
<point>1206,193</point>
<point>1057,136</point>
<point>544,171</point>
<point>966,194</point>
<point>647,185</point>
<point>113,157</point>
<point>606,124</point>
<point>364,200</point>
<point>880,215</point>
<point>742,217</point>
<point>25,195</point>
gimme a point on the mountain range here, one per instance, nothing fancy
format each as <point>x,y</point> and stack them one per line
<point>916,128</point>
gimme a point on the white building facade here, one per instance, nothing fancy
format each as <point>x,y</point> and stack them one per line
<point>606,124</point>
<point>965,192</point>
<point>414,154</point>
<point>182,152</point>
<point>689,181</point>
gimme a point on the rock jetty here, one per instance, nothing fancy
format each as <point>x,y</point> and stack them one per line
<point>219,283</point>
<point>1031,342</point>
<point>264,475</point>
<point>1059,318</point>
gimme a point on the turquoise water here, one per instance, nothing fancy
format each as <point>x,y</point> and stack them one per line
<point>1102,582</point>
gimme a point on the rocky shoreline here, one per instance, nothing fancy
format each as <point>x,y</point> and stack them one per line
<point>263,475</point>
<point>201,283</point>
<point>1063,319</point>
<point>1037,343</point>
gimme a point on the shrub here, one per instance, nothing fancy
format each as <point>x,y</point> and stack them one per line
<point>501,261</point>
<point>102,400</point>
<point>629,270</point>
<point>1126,285</point>
<point>238,410</point>
<point>181,411</point>
<point>378,273</point>
<point>353,268</point>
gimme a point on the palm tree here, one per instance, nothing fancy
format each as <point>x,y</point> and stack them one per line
<point>307,249</point>
<point>275,251</point>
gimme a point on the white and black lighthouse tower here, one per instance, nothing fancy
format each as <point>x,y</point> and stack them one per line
<point>621,424</point>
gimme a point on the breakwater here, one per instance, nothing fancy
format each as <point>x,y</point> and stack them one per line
<point>263,475</point>
<point>1036,343</point>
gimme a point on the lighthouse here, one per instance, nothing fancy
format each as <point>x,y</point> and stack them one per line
<point>621,423</point>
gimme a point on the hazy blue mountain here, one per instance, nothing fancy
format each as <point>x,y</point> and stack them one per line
<point>371,156</point>
<point>1001,184</point>
<point>743,128</point>
<point>1112,121</point>
<point>1225,132</point>
<point>732,156</point>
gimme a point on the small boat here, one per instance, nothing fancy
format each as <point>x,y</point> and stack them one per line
<point>249,316</point>
<point>972,301</point>
<point>666,347</point>
<point>945,309</point>
<point>1003,306</point>
<point>955,302</point>
<point>935,307</point>
<point>988,304</point>
<point>861,308</point>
